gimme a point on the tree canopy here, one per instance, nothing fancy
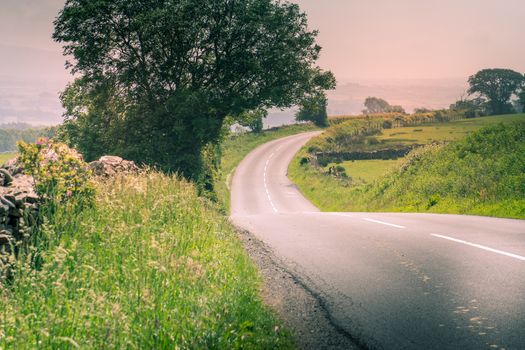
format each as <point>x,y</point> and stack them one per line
<point>158,77</point>
<point>521,96</point>
<point>313,109</point>
<point>378,105</point>
<point>497,85</point>
<point>253,119</point>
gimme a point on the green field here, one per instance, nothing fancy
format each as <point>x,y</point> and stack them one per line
<point>450,131</point>
<point>370,181</point>
<point>152,266</point>
<point>6,156</point>
<point>236,147</point>
<point>367,171</point>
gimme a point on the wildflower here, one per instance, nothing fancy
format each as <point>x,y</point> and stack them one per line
<point>42,141</point>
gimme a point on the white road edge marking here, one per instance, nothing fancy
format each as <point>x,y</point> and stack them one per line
<point>383,223</point>
<point>515,256</point>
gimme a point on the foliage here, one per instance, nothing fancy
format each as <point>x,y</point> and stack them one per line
<point>521,98</point>
<point>10,134</point>
<point>378,105</point>
<point>347,133</point>
<point>150,266</point>
<point>59,173</point>
<point>159,77</point>
<point>253,119</point>
<point>472,108</point>
<point>481,174</point>
<point>395,120</point>
<point>422,110</point>
<point>313,109</point>
<point>497,85</point>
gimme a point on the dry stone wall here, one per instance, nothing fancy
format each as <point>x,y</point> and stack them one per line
<point>19,203</point>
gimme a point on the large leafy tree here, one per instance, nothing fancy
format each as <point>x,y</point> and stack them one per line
<point>158,77</point>
<point>497,85</point>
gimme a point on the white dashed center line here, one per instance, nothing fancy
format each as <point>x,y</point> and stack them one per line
<point>383,223</point>
<point>265,182</point>
<point>497,251</point>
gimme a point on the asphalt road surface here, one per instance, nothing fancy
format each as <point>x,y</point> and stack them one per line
<point>390,280</point>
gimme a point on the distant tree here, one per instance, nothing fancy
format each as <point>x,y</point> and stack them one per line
<point>378,105</point>
<point>157,78</point>
<point>497,85</point>
<point>253,119</point>
<point>313,109</point>
<point>463,103</point>
<point>397,109</point>
<point>422,110</point>
<point>470,107</point>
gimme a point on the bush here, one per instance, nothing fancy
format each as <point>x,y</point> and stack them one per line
<point>61,176</point>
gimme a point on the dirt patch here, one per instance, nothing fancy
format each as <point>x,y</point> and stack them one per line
<point>300,309</point>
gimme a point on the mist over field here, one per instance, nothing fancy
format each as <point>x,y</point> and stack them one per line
<point>31,80</point>
<point>34,100</point>
<point>349,96</point>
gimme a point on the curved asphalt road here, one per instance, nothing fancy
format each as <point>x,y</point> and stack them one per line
<point>390,281</point>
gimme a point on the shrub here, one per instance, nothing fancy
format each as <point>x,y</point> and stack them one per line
<point>60,175</point>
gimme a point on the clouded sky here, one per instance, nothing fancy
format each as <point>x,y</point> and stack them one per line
<point>372,40</point>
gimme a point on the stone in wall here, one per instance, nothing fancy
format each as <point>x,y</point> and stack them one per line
<point>17,200</point>
<point>108,166</point>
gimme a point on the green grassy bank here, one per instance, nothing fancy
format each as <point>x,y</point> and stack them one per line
<point>152,266</point>
<point>477,173</point>
<point>367,171</point>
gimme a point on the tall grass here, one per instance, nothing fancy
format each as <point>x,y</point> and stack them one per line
<point>149,267</point>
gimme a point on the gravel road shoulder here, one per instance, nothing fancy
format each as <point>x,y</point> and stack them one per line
<point>300,309</point>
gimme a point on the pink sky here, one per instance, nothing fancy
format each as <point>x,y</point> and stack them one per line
<point>385,44</point>
<point>417,39</point>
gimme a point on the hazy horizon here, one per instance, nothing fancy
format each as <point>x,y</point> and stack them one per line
<point>412,53</point>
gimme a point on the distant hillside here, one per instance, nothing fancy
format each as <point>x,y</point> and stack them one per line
<point>9,136</point>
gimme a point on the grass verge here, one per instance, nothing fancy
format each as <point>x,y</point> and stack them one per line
<point>478,174</point>
<point>236,147</point>
<point>150,267</point>
<point>6,156</point>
